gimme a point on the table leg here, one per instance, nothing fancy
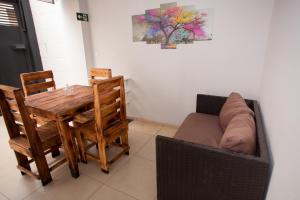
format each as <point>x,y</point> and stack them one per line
<point>69,147</point>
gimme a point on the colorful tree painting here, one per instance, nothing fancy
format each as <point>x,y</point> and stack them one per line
<point>171,25</point>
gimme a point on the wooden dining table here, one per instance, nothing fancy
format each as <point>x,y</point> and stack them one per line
<point>61,105</point>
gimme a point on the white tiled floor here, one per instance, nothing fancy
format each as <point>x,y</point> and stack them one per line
<point>132,177</point>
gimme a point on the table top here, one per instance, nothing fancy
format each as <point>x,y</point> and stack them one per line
<point>60,104</point>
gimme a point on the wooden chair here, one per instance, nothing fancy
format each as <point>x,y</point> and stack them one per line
<point>95,74</point>
<point>26,139</point>
<point>110,123</point>
<point>99,73</point>
<point>36,82</point>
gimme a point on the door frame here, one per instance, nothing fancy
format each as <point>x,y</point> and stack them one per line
<point>26,17</point>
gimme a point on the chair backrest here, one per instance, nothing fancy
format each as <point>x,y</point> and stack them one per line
<point>15,114</point>
<point>99,73</point>
<point>36,82</point>
<point>110,105</point>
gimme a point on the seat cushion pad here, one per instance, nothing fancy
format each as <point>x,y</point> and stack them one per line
<point>200,128</point>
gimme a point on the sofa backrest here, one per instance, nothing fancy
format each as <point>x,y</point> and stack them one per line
<point>212,105</point>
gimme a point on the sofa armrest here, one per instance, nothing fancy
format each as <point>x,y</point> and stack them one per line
<point>262,141</point>
<point>209,104</point>
<point>192,171</point>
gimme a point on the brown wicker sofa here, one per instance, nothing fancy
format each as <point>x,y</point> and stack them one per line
<point>190,171</point>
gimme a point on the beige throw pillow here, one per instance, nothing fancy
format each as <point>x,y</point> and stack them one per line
<point>234,105</point>
<point>240,135</point>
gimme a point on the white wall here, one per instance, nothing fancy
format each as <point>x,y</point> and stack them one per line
<point>60,40</point>
<point>86,33</point>
<point>165,82</point>
<point>280,99</point>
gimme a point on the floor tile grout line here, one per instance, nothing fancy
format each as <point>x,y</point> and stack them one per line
<point>106,182</point>
<point>139,149</point>
<point>166,135</point>
<point>146,133</point>
<point>143,147</point>
<point>136,154</point>
<point>145,159</point>
<point>118,169</point>
<point>153,136</point>
<point>41,186</point>
<point>133,154</point>
<point>94,179</point>
<point>161,126</point>
<point>103,182</point>
<point>139,156</point>
<point>36,189</point>
<point>111,187</point>
<point>93,193</point>
<point>5,196</point>
<point>59,175</point>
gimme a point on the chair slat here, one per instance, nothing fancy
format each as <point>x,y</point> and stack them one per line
<point>100,72</point>
<point>37,87</point>
<point>8,91</point>
<point>28,172</point>
<point>21,128</point>
<point>115,116</point>
<point>8,94</point>
<point>13,105</point>
<point>37,82</point>
<point>110,97</point>
<point>17,117</point>
<point>34,76</point>
<point>109,86</point>
<point>110,109</point>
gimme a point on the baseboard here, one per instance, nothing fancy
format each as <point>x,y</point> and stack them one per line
<point>150,121</point>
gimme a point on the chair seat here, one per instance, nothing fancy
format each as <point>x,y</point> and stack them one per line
<point>41,120</point>
<point>110,133</point>
<point>85,117</point>
<point>48,134</point>
<point>48,131</point>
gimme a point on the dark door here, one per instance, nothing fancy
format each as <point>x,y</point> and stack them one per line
<point>15,52</point>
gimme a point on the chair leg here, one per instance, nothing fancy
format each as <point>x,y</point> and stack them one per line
<point>81,145</point>
<point>103,157</point>
<point>43,169</point>
<point>22,161</point>
<point>124,140</point>
<point>55,151</point>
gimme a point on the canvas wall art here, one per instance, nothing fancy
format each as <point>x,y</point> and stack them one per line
<point>171,25</point>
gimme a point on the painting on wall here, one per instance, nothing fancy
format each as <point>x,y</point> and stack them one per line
<point>171,25</point>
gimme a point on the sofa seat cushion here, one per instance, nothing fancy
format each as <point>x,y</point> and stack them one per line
<point>201,129</point>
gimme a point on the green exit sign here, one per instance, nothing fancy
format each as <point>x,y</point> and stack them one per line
<point>82,17</point>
